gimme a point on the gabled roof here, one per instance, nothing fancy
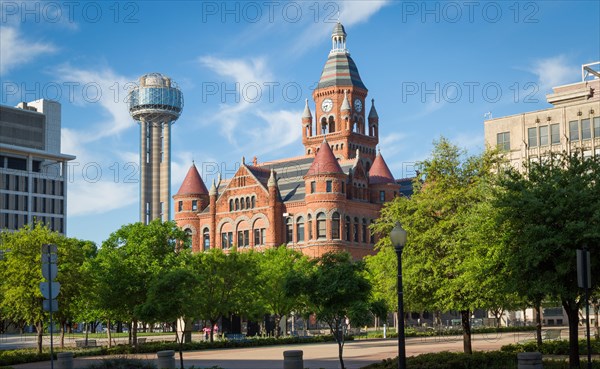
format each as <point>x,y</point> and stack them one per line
<point>192,184</point>
<point>325,162</point>
<point>380,173</point>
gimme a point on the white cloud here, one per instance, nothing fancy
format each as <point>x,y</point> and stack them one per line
<point>100,197</point>
<point>15,50</point>
<point>350,13</point>
<point>103,87</point>
<point>554,71</point>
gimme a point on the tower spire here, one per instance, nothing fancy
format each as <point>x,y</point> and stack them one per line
<point>307,113</point>
<point>345,103</point>
<point>338,39</point>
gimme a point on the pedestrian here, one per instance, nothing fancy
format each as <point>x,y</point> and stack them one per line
<point>206,331</point>
<point>216,330</point>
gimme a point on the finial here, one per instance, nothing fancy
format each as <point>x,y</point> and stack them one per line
<point>306,113</point>
<point>378,150</point>
<point>243,160</point>
<point>213,189</point>
<point>272,182</point>
<point>373,112</point>
<point>345,103</point>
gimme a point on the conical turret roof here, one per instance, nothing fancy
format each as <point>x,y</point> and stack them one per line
<point>306,113</point>
<point>380,173</point>
<point>325,162</point>
<point>192,184</point>
<point>373,112</point>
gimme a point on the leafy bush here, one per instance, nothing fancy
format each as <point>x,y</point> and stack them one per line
<point>122,363</point>
<point>478,360</point>
<point>558,347</point>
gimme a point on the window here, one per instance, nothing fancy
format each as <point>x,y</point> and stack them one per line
<point>194,205</point>
<point>240,238</point>
<point>532,137</point>
<point>355,230</point>
<point>224,241</point>
<point>364,230</point>
<point>347,228</point>
<point>253,202</point>
<point>263,235</point>
<point>300,229</point>
<point>246,238</point>
<point>555,133</point>
<point>503,141</point>
<point>188,240</point>
<point>335,226</point>
<point>543,135</point>
<point>313,187</point>
<point>574,130</point>
<point>328,188</point>
<point>586,129</point>
<point>247,203</point>
<point>321,226</point>
<point>257,238</point>
<point>206,239</point>
<point>310,228</point>
<point>597,127</point>
<point>237,204</point>
<point>180,206</point>
<point>289,231</point>
<point>343,187</point>
<point>382,196</point>
<point>242,204</point>
<point>229,239</point>
<point>231,205</point>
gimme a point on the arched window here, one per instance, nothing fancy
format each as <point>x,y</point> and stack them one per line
<point>237,204</point>
<point>226,236</point>
<point>231,205</point>
<point>243,233</point>
<point>188,239</point>
<point>347,228</point>
<point>335,226</point>
<point>242,204</point>
<point>253,202</point>
<point>300,229</point>
<point>364,230</point>
<point>331,124</point>
<point>289,231</point>
<point>310,227</point>
<point>247,203</point>
<point>324,126</point>
<point>206,239</point>
<point>355,230</point>
<point>321,226</point>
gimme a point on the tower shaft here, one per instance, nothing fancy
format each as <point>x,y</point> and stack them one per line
<point>155,170</point>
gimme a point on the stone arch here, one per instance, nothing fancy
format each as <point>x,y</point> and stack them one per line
<point>331,124</point>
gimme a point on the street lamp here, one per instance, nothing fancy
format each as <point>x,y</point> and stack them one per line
<point>398,237</point>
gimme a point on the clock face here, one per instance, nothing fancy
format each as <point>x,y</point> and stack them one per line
<point>358,105</point>
<point>327,105</point>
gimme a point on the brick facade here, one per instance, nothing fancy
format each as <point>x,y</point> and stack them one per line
<point>322,201</point>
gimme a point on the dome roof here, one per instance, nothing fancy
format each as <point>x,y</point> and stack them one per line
<point>338,30</point>
<point>325,162</point>
<point>192,184</point>
<point>340,70</point>
<point>380,173</point>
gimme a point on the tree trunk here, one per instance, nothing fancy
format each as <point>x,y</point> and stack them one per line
<point>62,334</point>
<point>538,323</point>
<point>134,328</point>
<point>572,309</point>
<point>525,317</point>
<point>466,326</point>
<point>87,329</point>
<point>130,326</point>
<point>108,333</point>
<point>277,318</point>
<point>119,327</point>
<point>40,331</point>
<point>597,309</point>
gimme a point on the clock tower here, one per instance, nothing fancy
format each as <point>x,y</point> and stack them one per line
<point>340,117</point>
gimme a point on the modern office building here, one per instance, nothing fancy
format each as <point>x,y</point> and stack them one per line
<point>155,103</point>
<point>33,171</point>
<point>572,123</point>
<point>322,201</point>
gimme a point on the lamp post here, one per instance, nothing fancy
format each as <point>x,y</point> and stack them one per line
<point>398,237</point>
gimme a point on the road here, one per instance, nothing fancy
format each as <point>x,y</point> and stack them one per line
<point>356,353</point>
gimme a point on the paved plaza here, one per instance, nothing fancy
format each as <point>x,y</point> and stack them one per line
<point>356,353</point>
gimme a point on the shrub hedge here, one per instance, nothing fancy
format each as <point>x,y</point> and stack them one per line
<point>558,347</point>
<point>478,360</point>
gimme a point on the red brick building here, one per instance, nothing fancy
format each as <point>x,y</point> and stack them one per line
<point>319,202</point>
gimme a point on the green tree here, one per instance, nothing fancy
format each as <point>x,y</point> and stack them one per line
<point>337,289</point>
<point>274,265</point>
<point>229,284</point>
<point>21,274</point>
<point>128,262</point>
<point>171,296</point>
<point>553,209</point>
<point>441,247</point>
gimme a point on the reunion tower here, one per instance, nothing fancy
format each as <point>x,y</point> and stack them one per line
<point>155,103</point>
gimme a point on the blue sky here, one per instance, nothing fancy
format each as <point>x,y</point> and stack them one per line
<point>434,68</point>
